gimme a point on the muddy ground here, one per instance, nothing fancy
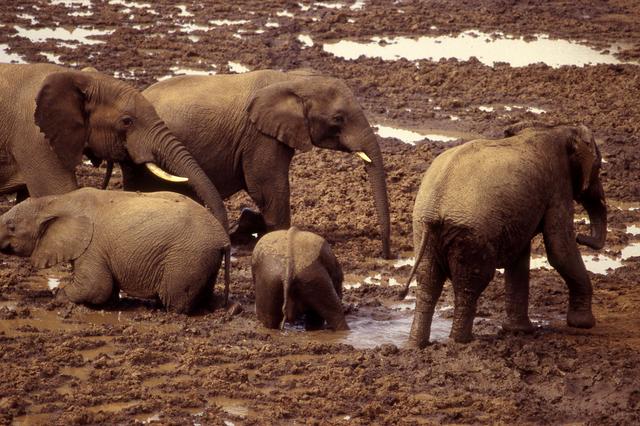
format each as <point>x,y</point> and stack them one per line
<point>64,364</point>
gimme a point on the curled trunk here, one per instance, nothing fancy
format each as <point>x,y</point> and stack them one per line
<point>594,202</point>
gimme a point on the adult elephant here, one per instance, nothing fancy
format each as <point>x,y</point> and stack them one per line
<point>77,112</point>
<point>480,204</point>
<point>244,130</point>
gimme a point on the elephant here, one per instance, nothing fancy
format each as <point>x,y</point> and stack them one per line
<point>57,114</point>
<point>477,209</point>
<point>295,273</point>
<point>244,129</point>
<point>154,245</point>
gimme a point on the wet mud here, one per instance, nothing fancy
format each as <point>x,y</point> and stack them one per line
<point>136,363</point>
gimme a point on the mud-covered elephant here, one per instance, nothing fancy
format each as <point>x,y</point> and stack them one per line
<point>295,273</point>
<point>51,115</point>
<point>479,206</point>
<point>244,130</point>
<point>157,245</point>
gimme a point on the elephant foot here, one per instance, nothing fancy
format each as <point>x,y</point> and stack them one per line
<point>522,325</point>
<point>461,336</point>
<point>249,222</point>
<point>234,309</point>
<point>581,319</point>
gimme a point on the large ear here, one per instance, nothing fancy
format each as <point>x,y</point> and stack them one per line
<point>61,116</point>
<point>61,239</point>
<point>277,111</point>
<point>582,155</point>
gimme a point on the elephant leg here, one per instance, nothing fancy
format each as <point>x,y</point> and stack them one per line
<point>182,289</point>
<point>250,222</point>
<point>269,291</point>
<point>268,186</point>
<point>430,279</point>
<point>564,256</point>
<point>517,293</point>
<point>92,282</point>
<point>316,291</point>
<point>470,275</point>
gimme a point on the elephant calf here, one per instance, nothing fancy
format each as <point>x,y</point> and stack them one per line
<point>151,245</point>
<point>479,206</point>
<point>294,273</point>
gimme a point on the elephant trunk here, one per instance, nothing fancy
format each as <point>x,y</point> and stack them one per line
<point>175,158</point>
<point>594,202</point>
<point>367,143</point>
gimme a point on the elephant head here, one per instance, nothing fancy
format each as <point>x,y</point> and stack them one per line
<point>39,228</point>
<point>87,111</point>
<point>584,166</point>
<point>312,110</point>
<point>585,161</point>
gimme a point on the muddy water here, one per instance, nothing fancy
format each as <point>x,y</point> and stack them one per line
<point>487,48</point>
<point>79,34</point>
<point>410,137</point>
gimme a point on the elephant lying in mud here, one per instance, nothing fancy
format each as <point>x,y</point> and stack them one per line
<point>295,273</point>
<point>160,244</point>
<point>479,206</point>
<point>244,130</point>
<point>52,115</point>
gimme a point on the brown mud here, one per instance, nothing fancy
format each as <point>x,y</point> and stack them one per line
<point>63,364</point>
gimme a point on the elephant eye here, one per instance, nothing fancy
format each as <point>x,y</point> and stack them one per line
<point>11,227</point>
<point>127,121</point>
<point>337,120</point>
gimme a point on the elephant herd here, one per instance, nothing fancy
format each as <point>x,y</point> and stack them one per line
<point>208,137</point>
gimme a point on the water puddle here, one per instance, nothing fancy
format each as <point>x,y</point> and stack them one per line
<point>305,39</point>
<point>79,35</point>
<point>133,4</point>
<point>235,407</point>
<point>237,67</point>
<point>633,230</point>
<point>487,48</point>
<point>176,71</point>
<point>183,10</point>
<point>369,328</point>
<point>8,58</point>
<point>409,136</point>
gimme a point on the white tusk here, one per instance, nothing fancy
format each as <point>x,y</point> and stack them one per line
<point>164,175</point>
<point>364,156</point>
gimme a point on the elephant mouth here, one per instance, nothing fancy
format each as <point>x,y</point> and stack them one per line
<point>7,248</point>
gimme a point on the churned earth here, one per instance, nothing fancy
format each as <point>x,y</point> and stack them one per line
<point>65,364</point>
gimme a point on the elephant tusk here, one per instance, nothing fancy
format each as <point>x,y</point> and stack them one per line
<point>364,156</point>
<point>153,168</point>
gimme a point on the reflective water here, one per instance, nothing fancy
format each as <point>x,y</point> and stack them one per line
<point>487,48</point>
<point>236,407</point>
<point>305,40</point>
<point>6,57</point>
<point>633,229</point>
<point>79,34</point>
<point>409,136</point>
<point>237,67</point>
<point>369,329</point>
<point>130,4</point>
<point>175,71</point>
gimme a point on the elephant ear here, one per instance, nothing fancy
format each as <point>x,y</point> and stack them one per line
<point>61,116</point>
<point>279,112</point>
<point>582,155</point>
<point>61,239</point>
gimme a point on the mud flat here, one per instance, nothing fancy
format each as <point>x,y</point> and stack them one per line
<point>136,363</point>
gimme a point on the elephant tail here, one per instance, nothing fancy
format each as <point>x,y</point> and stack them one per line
<point>289,271</point>
<point>227,277</point>
<point>107,175</point>
<point>419,255</point>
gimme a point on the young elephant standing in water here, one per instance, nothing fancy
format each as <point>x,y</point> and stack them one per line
<point>479,206</point>
<point>294,273</point>
<point>151,245</point>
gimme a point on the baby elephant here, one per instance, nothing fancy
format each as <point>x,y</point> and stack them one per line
<point>294,273</point>
<point>479,206</point>
<point>151,245</point>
